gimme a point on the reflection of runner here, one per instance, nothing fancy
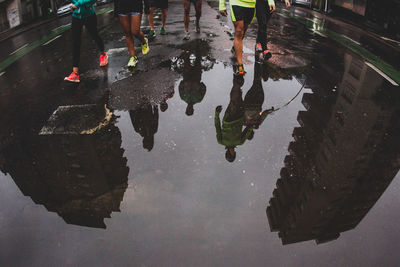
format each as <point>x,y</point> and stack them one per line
<point>264,10</point>
<point>83,15</point>
<point>242,13</point>
<point>254,100</point>
<point>230,133</point>
<point>163,5</point>
<point>186,6</point>
<point>145,122</point>
<point>168,95</point>
<point>191,89</point>
<point>129,13</point>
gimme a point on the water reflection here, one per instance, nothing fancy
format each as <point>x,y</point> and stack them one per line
<point>145,122</point>
<point>191,89</point>
<point>81,177</point>
<point>337,170</point>
<point>254,99</point>
<point>242,116</point>
<point>230,132</point>
<point>191,63</point>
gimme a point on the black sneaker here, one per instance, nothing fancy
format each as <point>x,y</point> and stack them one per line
<point>266,54</point>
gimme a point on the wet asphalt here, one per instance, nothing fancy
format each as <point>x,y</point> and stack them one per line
<point>129,167</point>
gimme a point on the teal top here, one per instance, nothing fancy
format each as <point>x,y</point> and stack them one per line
<point>84,8</point>
<point>231,135</point>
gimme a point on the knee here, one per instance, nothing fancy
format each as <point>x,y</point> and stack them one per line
<point>136,33</point>
<point>239,33</point>
<point>127,33</point>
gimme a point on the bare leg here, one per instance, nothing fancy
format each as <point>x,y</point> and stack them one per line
<point>150,17</point>
<point>197,7</point>
<point>163,17</point>
<point>135,27</point>
<point>126,26</point>
<point>238,41</point>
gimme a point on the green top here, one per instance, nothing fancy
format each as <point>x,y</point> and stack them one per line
<point>84,8</point>
<point>192,92</point>
<point>231,135</point>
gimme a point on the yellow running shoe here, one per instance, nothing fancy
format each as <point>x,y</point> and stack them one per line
<point>145,47</point>
<point>132,62</point>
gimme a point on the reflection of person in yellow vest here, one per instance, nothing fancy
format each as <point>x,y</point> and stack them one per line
<point>191,89</point>
<point>230,133</point>
<point>145,122</point>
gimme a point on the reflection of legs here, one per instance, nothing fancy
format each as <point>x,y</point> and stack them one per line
<point>186,18</point>
<point>150,17</point>
<point>126,26</point>
<point>163,17</point>
<point>197,7</point>
<point>255,96</point>
<point>135,27</point>
<point>235,109</point>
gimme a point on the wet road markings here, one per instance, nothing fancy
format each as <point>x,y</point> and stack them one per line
<point>55,38</point>
<point>390,40</point>
<point>19,49</point>
<point>381,73</point>
<point>22,51</point>
<point>62,26</point>
<point>320,33</point>
<point>117,50</point>
<point>367,55</point>
<point>348,38</point>
<point>2,73</point>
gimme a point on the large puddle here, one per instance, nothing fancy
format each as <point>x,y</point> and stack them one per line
<point>157,175</point>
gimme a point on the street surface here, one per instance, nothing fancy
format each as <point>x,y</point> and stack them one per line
<point>126,168</point>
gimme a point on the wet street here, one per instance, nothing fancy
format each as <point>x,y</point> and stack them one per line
<point>130,167</point>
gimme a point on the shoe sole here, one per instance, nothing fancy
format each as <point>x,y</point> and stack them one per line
<point>239,73</point>
<point>132,66</point>
<point>72,81</point>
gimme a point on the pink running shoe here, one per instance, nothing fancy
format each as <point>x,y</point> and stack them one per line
<point>73,77</point>
<point>103,60</point>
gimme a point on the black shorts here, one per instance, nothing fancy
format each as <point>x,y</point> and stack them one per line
<point>162,4</point>
<point>246,14</point>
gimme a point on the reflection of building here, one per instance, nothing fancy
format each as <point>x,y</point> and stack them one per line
<point>81,177</point>
<point>337,171</point>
